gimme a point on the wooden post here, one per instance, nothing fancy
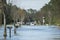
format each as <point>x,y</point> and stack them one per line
<point>14,30</point>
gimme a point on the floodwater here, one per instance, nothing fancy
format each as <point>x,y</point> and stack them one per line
<point>26,32</point>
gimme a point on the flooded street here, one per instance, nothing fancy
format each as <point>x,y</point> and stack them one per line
<point>29,19</point>
<point>33,33</point>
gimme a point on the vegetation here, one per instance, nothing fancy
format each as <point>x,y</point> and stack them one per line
<point>50,11</point>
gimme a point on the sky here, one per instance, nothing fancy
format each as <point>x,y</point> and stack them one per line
<point>27,4</point>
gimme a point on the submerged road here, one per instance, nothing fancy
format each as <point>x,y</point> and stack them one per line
<point>33,33</point>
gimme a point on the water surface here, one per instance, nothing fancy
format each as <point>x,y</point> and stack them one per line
<point>33,33</point>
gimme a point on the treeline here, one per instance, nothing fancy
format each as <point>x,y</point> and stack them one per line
<point>13,13</point>
<point>50,11</point>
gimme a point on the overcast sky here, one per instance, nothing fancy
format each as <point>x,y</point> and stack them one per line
<point>34,4</point>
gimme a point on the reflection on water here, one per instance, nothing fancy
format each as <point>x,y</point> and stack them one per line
<point>33,33</point>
